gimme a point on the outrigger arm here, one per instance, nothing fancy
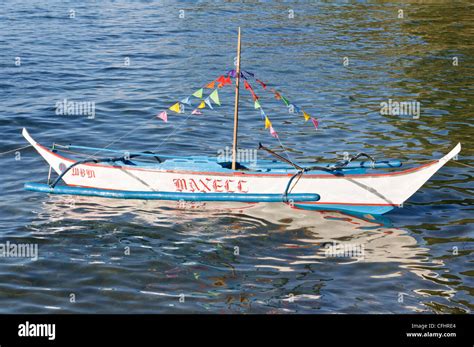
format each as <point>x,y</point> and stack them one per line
<point>125,159</point>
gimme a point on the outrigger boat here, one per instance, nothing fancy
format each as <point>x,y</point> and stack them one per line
<point>351,185</point>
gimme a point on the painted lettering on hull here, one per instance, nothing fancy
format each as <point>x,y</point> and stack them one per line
<point>205,185</point>
<point>86,173</point>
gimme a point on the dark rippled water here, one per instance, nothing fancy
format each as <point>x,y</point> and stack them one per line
<point>279,264</point>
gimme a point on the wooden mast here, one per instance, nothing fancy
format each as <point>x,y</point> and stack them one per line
<point>236,107</point>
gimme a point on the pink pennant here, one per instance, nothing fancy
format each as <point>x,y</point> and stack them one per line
<point>163,115</point>
<point>315,123</point>
<point>196,112</point>
<point>273,132</point>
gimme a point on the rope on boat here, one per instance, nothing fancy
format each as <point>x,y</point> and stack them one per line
<point>288,190</point>
<point>463,164</point>
<point>124,135</point>
<point>288,161</point>
<point>344,163</point>
<point>14,150</point>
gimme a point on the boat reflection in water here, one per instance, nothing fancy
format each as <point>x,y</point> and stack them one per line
<point>333,234</point>
<point>282,250</point>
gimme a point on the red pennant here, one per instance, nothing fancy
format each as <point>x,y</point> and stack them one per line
<point>249,87</point>
<point>227,80</point>
<point>254,96</point>
<point>264,86</point>
<point>315,123</point>
<point>223,81</point>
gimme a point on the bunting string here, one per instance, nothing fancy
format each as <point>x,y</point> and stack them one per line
<point>213,99</point>
<point>209,101</point>
<point>278,95</point>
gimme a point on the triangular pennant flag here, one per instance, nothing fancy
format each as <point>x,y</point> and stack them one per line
<point>268,124</point>
<point>264,86</point>
<point>163,115</point>
<point>215,97</point>
<point>248,73</point>
<point>273,132</point>
<point>262,113</point>
<point>254,96</point>
<point>277,95</point>
<point>176,108</point>
<point>198,93</point>
<point>208,103</point>
<point>306,116</point>
<point>296,108</point>
<point>285,100</point>
<point>257,104</point>
<point>315,123</point>
<point>232,73</point>
<point>227,80</point>
<point>223,81</point>
<point>196,112</point>
<point>186,101</point>
<point>202,104</point>
<point>247,85</point>
<point>211,85</point>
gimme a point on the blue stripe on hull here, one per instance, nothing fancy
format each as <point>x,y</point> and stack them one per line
<point>125,194</point>
<point>370,209</point>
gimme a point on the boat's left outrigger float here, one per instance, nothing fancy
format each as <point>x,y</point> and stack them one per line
<point>354,185</point>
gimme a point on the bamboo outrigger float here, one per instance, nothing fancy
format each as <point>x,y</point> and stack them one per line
<point>352,185</point>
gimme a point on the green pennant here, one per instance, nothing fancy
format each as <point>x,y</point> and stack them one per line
<point>257,104</point>
<point>198,93</point>
<point>285,100</point>
<point>215,97</point>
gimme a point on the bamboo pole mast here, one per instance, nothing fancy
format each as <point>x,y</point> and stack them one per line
<point>236,106</point>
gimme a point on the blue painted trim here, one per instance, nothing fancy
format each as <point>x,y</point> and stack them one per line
<point>370,209</point>
<point>125,194</point>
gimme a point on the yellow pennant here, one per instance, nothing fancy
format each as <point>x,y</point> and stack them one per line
<point>268,124</point>
<point>306,116</point>
<point>202,104</point>
<point>176,108</point>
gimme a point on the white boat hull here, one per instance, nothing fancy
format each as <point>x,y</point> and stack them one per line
<point>365,193</point>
